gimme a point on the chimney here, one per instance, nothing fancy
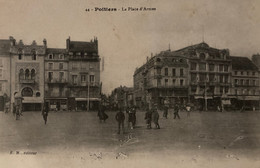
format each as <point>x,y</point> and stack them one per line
<point>12,40</point>
<point>147,59</point>
<point>45,42</point>
<point>68,43</point>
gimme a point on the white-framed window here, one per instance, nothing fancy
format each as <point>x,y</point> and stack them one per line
<point>83,78</point>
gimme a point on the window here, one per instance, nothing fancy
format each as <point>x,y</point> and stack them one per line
<point>33,55</point>
<point>21,74</point>
<point>32,74</point>
<point>241,82</point>
<point>166,82</point>
<point>50,56</point>
<point>173,72</point>
<point>50,66</point>
<point>202,67</point>
<point>211,77</point>
<point>158,82</point>
<point>225,68</point>
<point>253,92</point>
<point>253,73</point>
<point>193,77</point>
<point>202,77</point>
<point>61,65</point>
<point>50,76</point>
<point>254,83</point>
<point>202,56</point>
<point>247,82</point>
<point>83,78</point>
<point>74,79</point>
<point>211,67</point>
<point>1,73</point>
<point>74,66</point>
<point>221,67</point>
<point>27,74</point>
<point>193,66</point>
<point>166,71</point>
<point>174,82</point>
<point>61,56</point>
<point>27,92</point>
<point>61,75</point>
<point>181,72</point>
<point>242,73</point>
<point>236,82</point>
<point>38,94</point>
<point>236,92</point>
<point>226,90</point>
<point>181,82</point>
<point>247,73</point>
<point>19,54</point>
<point>1,63</point>
<point>221,78</point>
<point>235,72</point>
<point>92,78</point>
<point>226,78</point>
<point>1,87</point>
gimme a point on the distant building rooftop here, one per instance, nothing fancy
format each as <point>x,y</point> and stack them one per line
<point>242,63</point>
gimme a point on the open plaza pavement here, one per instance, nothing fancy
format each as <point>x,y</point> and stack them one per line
<point>78,139</point>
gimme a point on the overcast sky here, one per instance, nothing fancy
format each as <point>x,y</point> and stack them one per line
<point>127,38</point>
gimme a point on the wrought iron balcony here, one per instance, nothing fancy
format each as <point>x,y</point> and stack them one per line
<point>57,81</point>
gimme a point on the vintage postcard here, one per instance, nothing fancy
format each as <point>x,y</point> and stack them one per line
<point>129,83</point>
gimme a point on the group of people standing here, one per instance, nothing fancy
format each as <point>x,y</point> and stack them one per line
<point>120,118</point>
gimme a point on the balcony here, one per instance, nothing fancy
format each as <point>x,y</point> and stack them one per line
<point>57,81</point>
<point>84,84</point>
<point>27,81</point>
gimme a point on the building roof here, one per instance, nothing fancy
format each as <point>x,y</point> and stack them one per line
<point>56,50</point>
<point>242,63</point>
<point>83,46</point>
<point>4,47</point>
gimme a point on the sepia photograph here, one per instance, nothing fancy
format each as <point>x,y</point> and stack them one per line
<point>129,83</point>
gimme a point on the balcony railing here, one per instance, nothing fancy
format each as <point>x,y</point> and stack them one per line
<point>27,81</point>
<point>85,84</point>
<point>62,81</point>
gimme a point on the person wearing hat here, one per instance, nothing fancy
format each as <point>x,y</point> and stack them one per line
<point>148,118</point>
<point>120,118</point>
<point>155,117</point>
<point>176,111</point>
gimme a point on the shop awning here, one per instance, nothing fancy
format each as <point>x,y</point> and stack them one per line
<point>202,97</point>
<point>86,99</point>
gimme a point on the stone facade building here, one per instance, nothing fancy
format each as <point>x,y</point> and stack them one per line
<point>56,79</point>
<point>245,82</point>
<point>201,75</point>
<point>163,77</point>
<point>5,77</point>
<point>27,74</point>
<point>84,75</point>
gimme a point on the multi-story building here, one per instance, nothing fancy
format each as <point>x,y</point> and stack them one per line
<point>209,75</point>
<point>163,77</point>
<point>27,74</point>
<point>121,98</point>
<point>84,75</point>
<point>245,82</point>
<point>56,79</point>
<point>4,72</point>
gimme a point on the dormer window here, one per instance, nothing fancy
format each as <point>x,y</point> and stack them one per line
<point>61,56</point>
<point>33,55</point>
<point>202,56</point>
<point>50,56</point>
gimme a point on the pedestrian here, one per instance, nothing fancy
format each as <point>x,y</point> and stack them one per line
<point>155,117</point>
<point>176,112</point>
<point>14,109</point>
<point>188,109</point>
<point>165,112</point>
<point>7,106</point>
<point>45,112</point>
<point>120,118</point>
<point>17,112</point>
<point>101,114</point>
<point>133,110</point>
<point>148,118</point>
